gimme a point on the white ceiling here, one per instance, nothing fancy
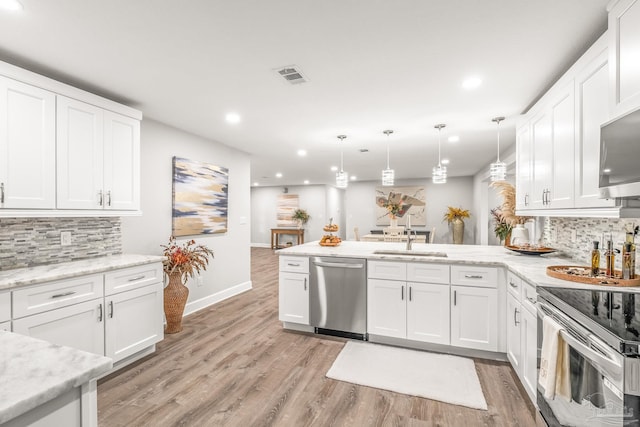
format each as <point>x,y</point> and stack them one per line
<point>371,64</point>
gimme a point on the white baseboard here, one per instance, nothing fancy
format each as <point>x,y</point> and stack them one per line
<point>205,302</point>
<point>260,245</point>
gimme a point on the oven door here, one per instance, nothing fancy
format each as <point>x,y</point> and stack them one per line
<point>595,377</point>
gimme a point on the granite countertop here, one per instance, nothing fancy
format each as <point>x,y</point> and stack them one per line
<point>532,268</point>
<point>33,372</point>
<point>46,273</point>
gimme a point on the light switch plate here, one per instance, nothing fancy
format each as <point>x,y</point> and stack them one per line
<point>65,238</point>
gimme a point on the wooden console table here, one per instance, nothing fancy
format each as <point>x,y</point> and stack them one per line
<point>276,232</point>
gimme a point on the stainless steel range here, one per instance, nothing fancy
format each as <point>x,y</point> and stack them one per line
<point>602,330</point>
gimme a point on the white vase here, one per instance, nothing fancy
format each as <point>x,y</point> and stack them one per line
<point>393,222</point>
<point>519,235</point>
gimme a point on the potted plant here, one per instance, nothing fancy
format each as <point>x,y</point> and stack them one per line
<point>301,216</point>
<point>501,228</point>
<point>455,217</point>
<point>181,262</point>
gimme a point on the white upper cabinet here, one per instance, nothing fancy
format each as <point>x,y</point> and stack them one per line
<point>27,146</point>
<point>592,91</point>
<point>624,56</point>
<point>542,159</point>
<point>524,163</point>
<point>98,156</point>
<point>560,191</point>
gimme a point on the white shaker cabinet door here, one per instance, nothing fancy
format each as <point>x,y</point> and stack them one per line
<point>387,308</point>
<point>624,56</point>
<point>542,159</point>
<point>560,191</point>
<point>121,162</point>
<point>428,313</point>
<point>133,321</point>
<point>474,318</point>
<point>524,166</point>
<point>80,155</point>
<point>529,339</point>
<point>293,298</point>
<point>514,347</point>
<point>27,146</point>
<point>79,326</point>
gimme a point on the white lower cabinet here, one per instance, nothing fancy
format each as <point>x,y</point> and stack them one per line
<point>293,297</point>
<point>386,308</point>
<point>79,326</point>
<point>529,340</point>
<point>514,315</point>
<point>474,318</point>
<point>134,321</point>
<point>428,313</point>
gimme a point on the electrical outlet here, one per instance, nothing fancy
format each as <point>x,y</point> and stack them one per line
<point>199,281</point>
<point>65,238</point>
<point>574,236</point>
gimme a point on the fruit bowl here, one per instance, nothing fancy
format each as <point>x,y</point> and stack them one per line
<point>330,240</point>
<point>331,228</point>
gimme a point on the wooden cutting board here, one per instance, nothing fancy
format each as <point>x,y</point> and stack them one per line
<point>581,274</point>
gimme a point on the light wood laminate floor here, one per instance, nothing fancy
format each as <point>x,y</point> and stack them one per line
<point>234,365</point>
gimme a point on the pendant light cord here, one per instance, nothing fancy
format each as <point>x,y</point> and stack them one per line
<point>498,120</point>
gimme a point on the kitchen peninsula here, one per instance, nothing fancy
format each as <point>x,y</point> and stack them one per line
<point>471,300</point>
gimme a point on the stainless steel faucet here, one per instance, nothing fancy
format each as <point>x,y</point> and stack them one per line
<point>409,239</point>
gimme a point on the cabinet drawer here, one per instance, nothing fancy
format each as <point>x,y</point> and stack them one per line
<point>5,306</point>
<point>39,299</point>
<point>469,275</point>
<point>386,270</point>
<point>294,264</point>
<point>132,278</point>
<point>514,285</point>
<point>428,273</point>
<point>529,297</point>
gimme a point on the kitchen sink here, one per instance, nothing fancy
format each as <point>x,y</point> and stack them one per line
<point>410,253</point>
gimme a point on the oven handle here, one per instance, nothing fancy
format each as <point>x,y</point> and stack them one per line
<point>609,362</point>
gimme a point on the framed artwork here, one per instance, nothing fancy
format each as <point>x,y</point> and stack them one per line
<point>200,198</point>
<point>287,203</point>
<point>408,200</point>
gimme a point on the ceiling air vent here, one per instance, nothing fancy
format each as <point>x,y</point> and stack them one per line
<point>292,74</point>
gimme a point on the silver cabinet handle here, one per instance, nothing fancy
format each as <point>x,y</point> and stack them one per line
<point>515,317</point>
<point>455,299</point>
<point>109,198</point>
<point>111,309</point>
<point>473,276</point>
<point>64,294</point>
<point>410,288</point>
<point>100,312</point>
<point>513,285</point>
<point>402,293</point>
<point>136,278</point>
<point>1,192</point>
<point>290,264</point>
<point>100,198</point>
<point>548,196</point>
<point>531,300</point>
<point>305,283</point>
<point>526,199</point>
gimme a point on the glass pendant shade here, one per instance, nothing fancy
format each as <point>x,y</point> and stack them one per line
<point>498,169</point>
<point>388,174</point>
<point>342,178</point>
<point>439,172</point>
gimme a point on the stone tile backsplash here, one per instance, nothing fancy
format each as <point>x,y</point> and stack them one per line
<point>26,242</point>
<point>587,230</point>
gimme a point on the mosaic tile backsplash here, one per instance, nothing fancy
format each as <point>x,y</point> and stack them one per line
<point>26,242</point>
<point>587,230</point>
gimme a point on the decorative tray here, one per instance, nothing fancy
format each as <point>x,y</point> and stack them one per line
<point>530,250</point>
<point>330,229</point>
<point>582,274</point>
<point>329,244</point>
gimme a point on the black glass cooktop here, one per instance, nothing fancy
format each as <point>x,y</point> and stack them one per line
<point>618,312</point>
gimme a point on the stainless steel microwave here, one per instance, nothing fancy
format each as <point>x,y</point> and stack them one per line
<point>620,157</point>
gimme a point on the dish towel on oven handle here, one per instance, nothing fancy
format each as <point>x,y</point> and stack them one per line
<point>554,361</point>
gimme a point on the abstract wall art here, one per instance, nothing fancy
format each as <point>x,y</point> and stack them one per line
<point>200,198</point>
<point>410,200</point>
<point>287,203</point>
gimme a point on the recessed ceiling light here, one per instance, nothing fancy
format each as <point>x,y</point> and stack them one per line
<point>353,177</point>
<point>232,118</point>
<point>306,181</point>
<point>453,138</point>
<point>255,184</point>
<point>334,168</point>
<point>13,5</point>
<point>302,153</point>
<point>471,82</point>
<point>278,175</point>
<point>445,161</point>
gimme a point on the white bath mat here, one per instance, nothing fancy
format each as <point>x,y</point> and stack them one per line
<point>449,379</point>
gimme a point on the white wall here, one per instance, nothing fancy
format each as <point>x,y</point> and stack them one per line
<point>230,270</point>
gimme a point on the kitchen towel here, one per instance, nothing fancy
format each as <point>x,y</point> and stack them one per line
<point>449,379</point>
<point>554,361</point>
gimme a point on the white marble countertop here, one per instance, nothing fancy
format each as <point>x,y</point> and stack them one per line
<point>532,268</point>
<point>46,273</point>
<point>32,372</point>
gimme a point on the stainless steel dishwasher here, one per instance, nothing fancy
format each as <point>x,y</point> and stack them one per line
<point>338,296</point>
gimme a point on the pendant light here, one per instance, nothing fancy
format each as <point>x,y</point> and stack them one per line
<point>498,169</point>
<point>342,178</point>
<point>439,174</point>
<point>388,174</point>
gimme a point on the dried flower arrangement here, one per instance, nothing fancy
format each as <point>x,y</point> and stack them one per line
<point>186,259</point>
<point>455,213</point>
<point>508,207</point>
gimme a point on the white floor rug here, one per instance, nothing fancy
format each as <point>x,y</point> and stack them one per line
<point>449,379</point>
